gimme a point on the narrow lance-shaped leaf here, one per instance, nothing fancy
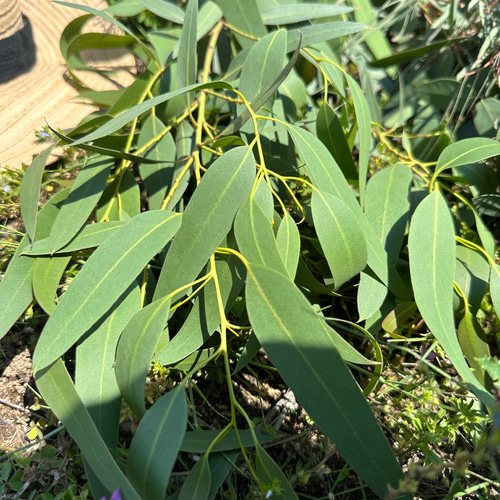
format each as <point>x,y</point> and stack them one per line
<point>262,65</point>
<point>165,10</point>
<point>187,62</point>
<point>30,191</point>
<point>329,131</point>
<point>184,146</point>
<point>105,276</point>
<point>135,352</point>
<point>387,206</point>
<point>295,339</point>
<point>431,248</point>
<point>295,13</point>
<point>155,445</point>
<point>200,441</point>
<point>207,218</point>
<point>58,391</point>
<point>197,484</point>
<point>318,33</point>
<point>95,379</point>
<point>104,151</point>
<point>495,287</point>
<point>90,236</point>
<point>340,235</point>
<point>130,114</point>
<point>363,122</point>
<point>473,343</point>
<point>466,151</point>
<point>16,291</point>
<point>85,193</point>
<point>288,243</point>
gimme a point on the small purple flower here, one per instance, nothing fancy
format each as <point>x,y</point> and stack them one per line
<point>431,357</point>
<point>43,134</point>
<point>6,188</point>
<point>115,496</point>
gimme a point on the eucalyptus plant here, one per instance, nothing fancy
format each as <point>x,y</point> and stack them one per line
<point>230,199</point>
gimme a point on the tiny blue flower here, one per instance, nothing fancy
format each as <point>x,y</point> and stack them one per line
<point>43,134</point>
<point>6,188</point>
<point>269,494</point>
<point>115,496</point>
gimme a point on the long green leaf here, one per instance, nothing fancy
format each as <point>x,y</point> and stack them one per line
<point>58,391</point>
<point>262,66</point>
<point>295,13</point>
<point>90,236</point>
<point>104,151</point>
<point>197,484</point>
<point>330,133</point>
<point>340,235</point>
<point>207,219</point>
<point>130,114</point>
<point>30,191</point>
<point>135,352</point>
<point>85,193</point>
<point>187,63</point>
<point>387,206</point>
<point>155,445</point>
<point>95,379</point>
<point>363,122</point>
<point>105,276</point>
<point>295,339</point>
<point>288,243</point>
<point>200,441</point>
<point>16,292</point>
<point>495,288</point>
<point>317,33</point>
<point>220,465</point>
<point>412,54</point>
<point>473,343</point>
<point>431,248</point>
<point>466,151</point>
<point>165,10</point>
<point>184,146</point>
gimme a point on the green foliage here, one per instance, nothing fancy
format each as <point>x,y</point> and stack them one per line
<point>234,198</point>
